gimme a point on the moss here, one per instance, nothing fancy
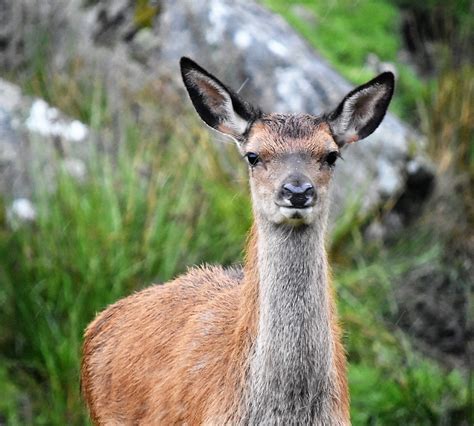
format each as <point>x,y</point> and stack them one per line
<point>145,13</point>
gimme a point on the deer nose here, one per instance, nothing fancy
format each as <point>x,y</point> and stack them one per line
<point>301,195</point>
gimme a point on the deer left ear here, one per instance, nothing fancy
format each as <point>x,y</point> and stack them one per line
<point>218,106</point>
<point>362,110</point>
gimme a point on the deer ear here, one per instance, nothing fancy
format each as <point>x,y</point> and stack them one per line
<point>218,106</point>
<point>362,110</point>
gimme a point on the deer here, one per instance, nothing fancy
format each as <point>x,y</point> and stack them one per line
<point>259,344</point>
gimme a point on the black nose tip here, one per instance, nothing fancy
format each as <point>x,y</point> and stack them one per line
<point>298,195</point>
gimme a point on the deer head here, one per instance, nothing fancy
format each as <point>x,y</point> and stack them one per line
<point>291,157</point>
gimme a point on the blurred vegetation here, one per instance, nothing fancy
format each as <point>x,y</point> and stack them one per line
<point>137,219</point>
<point>142,218</point>
<point>162,199</point>
<point>144,13</point>
<point>447,117</point>
<point>435,92</point>
<point>346,32</point>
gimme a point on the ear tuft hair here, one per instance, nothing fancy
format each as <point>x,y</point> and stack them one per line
<point>362,110</point>
<point>218,106</point>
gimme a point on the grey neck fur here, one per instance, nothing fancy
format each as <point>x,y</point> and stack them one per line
<point>290,379</point>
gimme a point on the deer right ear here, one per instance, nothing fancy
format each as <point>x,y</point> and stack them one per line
<point>362,110</point>
<point>218,106</point>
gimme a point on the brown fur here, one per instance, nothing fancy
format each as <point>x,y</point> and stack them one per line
<point>182,353</point>
<point>185,343</point>
<point>178,353</point>
<point>279,134</point>
<point>342,399</point>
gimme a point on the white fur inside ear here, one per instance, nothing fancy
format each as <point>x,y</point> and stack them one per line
<point>234,124</point>
<point>358,110</point>
<point>219,102</point>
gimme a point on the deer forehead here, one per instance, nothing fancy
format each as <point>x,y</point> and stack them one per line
<point>278,134</point>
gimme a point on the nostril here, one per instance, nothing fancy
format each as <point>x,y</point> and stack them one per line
<point>298,195</point>
<point>286,193</point>
<point>309,192</point>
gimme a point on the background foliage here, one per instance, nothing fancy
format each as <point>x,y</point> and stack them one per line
<point>167,200</point>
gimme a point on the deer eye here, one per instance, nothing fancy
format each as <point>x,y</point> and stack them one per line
<point>252,158</point>
<point>332,157</point>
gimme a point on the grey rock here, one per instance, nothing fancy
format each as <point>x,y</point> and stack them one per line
<point>143,45</point>
<point>377,66</point>
<point>13,180</point>
<point>75,168</point>
<point>33,138</point>
<point>241,41</point>
<point>245,45</point>
<point>46,121</point>
<point>21,211</point>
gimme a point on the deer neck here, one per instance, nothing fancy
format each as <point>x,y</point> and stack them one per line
<point>291,358</point>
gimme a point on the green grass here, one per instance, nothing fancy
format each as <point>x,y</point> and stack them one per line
<point>346,31</point>
<point>447,111</point>
<point>420,394</point>
<point>163,205</point>
<point>169,198</point>
<point>144,217</point>
<point>390,382</point>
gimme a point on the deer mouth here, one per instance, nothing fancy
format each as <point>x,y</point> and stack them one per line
<point>295,208</point>
<point>295,213</point>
